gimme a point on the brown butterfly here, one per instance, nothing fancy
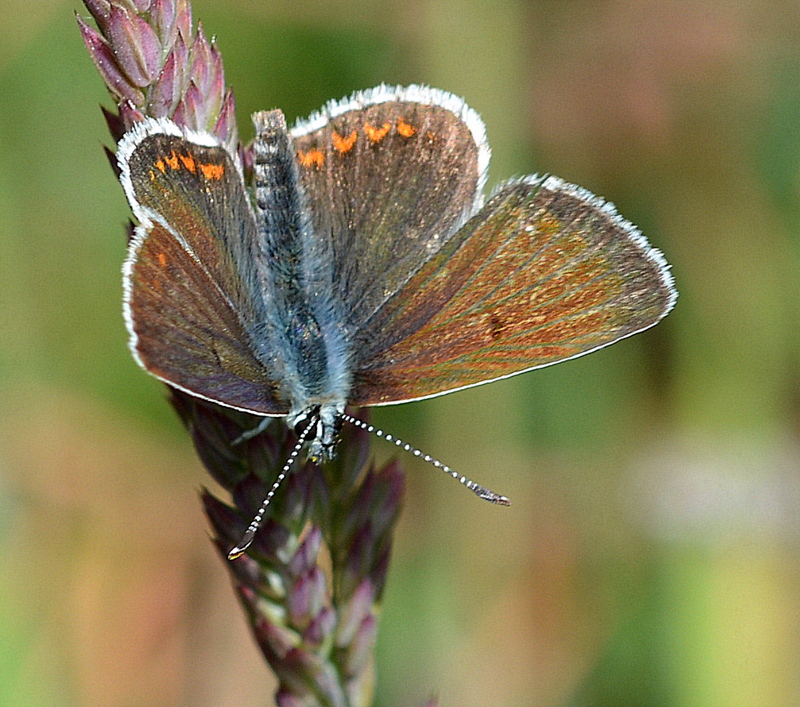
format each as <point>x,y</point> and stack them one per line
<point>365,267</point>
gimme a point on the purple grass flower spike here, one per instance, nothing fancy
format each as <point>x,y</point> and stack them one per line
<point>155,65</point>
<point>311,583</point>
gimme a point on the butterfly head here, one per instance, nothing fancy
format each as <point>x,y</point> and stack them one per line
<point>323,423</point>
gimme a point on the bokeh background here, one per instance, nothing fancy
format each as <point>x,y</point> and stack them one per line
<point>650,557</point>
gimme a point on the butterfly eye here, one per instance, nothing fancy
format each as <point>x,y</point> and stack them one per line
<point>304,419</point>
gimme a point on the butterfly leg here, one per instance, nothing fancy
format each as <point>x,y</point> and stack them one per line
<point>249,434</point>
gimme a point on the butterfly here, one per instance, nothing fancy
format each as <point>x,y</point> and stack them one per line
<point>365,267</point>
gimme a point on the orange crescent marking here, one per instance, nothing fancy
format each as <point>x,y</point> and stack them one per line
<point>212,171</point>
<point>188,162</point>
<point>376,134</point>
<point>344,144</point>
<point>312,158</point>
<point>161,166</point>
<point>172,161</point>
<point>405,129</point>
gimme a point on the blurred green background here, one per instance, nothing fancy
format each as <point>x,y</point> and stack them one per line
<point>650,557</point>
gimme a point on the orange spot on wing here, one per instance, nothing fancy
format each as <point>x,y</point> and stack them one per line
<point>188,162</point>
<point>161,166</point>
<point>172,161</point>
<point>344,144</point>
<point>312,158</point>
<point>162,259</point>
<point>405,129</point>
<point>212,171</point>
<point>376,134</point>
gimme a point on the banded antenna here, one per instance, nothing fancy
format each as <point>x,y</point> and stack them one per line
<point>250,533</point>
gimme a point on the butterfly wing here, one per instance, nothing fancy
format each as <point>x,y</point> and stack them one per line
<point>543,273</point>
<point>192,296</point>
<point>390,175</point>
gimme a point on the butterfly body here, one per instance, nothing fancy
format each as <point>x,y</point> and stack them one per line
<point>365,269</point>
<point>302,340</point>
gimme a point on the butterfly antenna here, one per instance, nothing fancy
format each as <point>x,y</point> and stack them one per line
<point>250,533</point>
<point>477,489</point>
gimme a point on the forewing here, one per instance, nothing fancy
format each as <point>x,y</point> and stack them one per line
<point>192,297</point>
<point>543,273</point>
<point>390,175</point>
